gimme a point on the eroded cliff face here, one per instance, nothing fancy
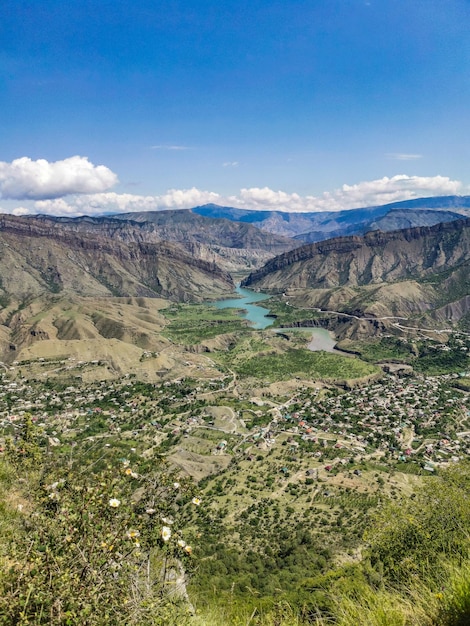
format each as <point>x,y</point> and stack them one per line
<point>38,256</point>
<point>372,259</point>
<point>232,246</point>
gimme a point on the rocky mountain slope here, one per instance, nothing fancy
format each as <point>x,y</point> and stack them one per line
<point>72,291</point>
<point>40,255</point>
<point>417,277</point>
<point>234,246</point>
<point>374,258</point>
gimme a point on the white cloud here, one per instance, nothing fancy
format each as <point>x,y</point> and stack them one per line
<point>395,189</point>
<point>176,148</point>
<point>58,206</point>
<point>24,179</point>
<point>230,164</point>
<point>366,193</point>
<point>400,156</point>
<point>111,202</point>
<point>21,210</point>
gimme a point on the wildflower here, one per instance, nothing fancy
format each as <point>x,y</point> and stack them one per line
<point>137,544</point>
<point>128,471</point>
<point>167,520</point>
<point>166,533</point>
<point>188,549</point>
<point>196,501</point>
<point>134,475</point>
<point>176,485</point>
<point>181,543</point>
<point>131,534</point>
<point>150,511</point>
<point>114,503</point>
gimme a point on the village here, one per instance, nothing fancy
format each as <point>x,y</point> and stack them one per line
<point>414,424</point>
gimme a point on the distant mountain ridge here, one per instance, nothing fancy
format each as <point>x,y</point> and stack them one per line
<point>320,225</point>
<point>231,246</point>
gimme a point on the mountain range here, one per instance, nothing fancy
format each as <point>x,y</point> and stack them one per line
<point>320,225</point>
<point>57,272</point>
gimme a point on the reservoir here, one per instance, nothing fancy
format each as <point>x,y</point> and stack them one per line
<point>251,312</point>
<point>256,315</point>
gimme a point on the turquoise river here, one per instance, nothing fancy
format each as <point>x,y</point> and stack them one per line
<point>258,317</point>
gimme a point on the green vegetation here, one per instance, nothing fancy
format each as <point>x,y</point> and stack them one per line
<point>193,323</point>
<point>84,515</point>
<point>440,359</point>
<point>317,504</point>
<point>286,315</point>
<point>383,349</point>
<point>301,362</point>
<point>426,356</point>
<point>415,568</point>
<point>87,539</point>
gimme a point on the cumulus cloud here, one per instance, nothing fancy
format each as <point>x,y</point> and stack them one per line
<point>111,202</point>
<point>367,193</point>
<point>21,211</point>
<point>230,164</point>
<point>58,206</point>
<point>395,189</point>
<point>25,179</point>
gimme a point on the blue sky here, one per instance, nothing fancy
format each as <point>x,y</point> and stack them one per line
<point>293,104</point>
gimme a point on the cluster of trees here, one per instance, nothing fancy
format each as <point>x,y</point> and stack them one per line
<point>88,537</point>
